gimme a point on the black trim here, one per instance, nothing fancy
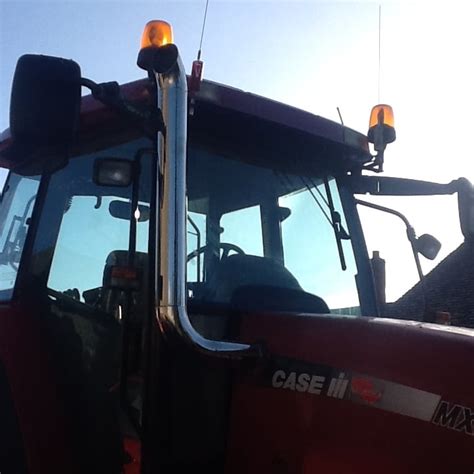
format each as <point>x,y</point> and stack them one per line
<point>152,340</point>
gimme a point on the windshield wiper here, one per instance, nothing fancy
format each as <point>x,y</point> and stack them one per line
<point>334,218</point>
<point>336,222</point>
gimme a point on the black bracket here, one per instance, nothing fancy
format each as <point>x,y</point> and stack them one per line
<point>109,94</point>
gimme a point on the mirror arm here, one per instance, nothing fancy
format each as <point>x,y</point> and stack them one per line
<point>389,186</point>
<point>412,238</point>
<point>409,228</point>
<point>108,93</point>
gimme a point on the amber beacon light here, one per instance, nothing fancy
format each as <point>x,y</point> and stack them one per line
<point>157,33</point>
<point>157,50</point>
<point>381,126</point>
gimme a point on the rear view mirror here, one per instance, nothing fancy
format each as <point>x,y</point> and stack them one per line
<point>45,101</point>
<point>123,209</point>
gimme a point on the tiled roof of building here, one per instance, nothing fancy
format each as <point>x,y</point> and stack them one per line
<point>448,287</point>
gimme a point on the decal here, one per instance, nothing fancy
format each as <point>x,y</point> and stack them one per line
<point>393,397</point>
<point>365,389</point>
<point>300,382</point>
<point>297,376</point>
<point>337,387</point>
<point>455,417</point>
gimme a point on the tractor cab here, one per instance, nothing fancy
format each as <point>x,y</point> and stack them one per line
<point>193,291</point>
<point>266,231</point>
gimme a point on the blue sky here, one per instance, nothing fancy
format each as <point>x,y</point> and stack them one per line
<point>259,46</point>
<point>310,54</point>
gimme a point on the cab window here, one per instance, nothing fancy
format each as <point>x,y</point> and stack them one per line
<point>17,202</point>
<point>269,240</point>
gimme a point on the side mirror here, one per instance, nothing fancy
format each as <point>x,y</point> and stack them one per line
<point>428,246</point>
<point>45,101</point>
<point>466,207</point>
<point>44,113</point>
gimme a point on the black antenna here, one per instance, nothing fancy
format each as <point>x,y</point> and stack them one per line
<point>380,47</point>
<point>342,123</point>
<point>202,31</point>
<point>197,68</point>
<point>340,116</point>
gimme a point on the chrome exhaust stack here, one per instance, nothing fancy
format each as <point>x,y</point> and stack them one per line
<point>171,205</point>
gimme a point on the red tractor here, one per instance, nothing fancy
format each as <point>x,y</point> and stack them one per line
<point>185,286</point>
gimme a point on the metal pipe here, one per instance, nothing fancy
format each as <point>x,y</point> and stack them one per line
<point>171,207</point>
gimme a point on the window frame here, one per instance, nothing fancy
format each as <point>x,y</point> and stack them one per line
<point>364,277</point>
<point>24,281</point>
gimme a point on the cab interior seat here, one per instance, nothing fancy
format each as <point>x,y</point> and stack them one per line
<point>249,282</point>
<point>277,299</point>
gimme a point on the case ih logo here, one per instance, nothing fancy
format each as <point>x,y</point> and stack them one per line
<point>455,417</point>
<point>365,389</point>
<point>297,376</point>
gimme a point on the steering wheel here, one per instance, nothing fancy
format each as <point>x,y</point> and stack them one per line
<point>226,248</point>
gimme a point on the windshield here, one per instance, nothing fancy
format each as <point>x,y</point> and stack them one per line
<point>256,230</point>
<point>17,203</point>
<point>252,228</point>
